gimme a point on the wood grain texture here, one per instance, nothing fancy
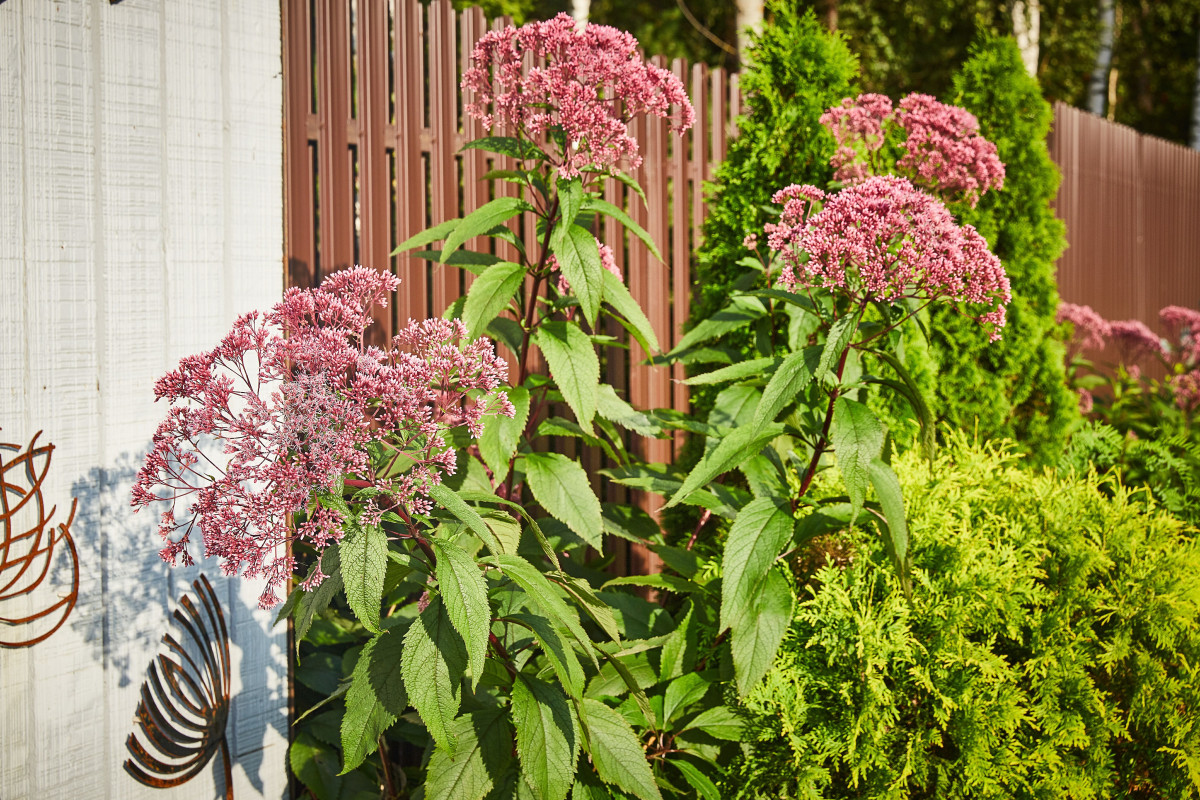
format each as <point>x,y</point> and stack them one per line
<point>140,162</point>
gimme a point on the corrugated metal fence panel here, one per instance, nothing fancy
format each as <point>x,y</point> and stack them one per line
<point>429,180</point>
<point>1131,204</point>
<point>140,177</point>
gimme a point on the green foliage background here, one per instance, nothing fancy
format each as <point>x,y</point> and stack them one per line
<point>1050,649</point>
<point>1015,388</point>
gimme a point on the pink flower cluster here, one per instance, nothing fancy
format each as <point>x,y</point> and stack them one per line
<point>943,151</point>
<point>1185,389</point>
<point>283,410</point>
<point>585,84</point>
<point>1135,341</point>
<point>1091,329</point>
<point>607,260</point>
<point>1184,326</point>
<point>885,240</point>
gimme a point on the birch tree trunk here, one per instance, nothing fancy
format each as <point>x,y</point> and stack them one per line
<point>1098,85</point>
<point>1027,25</point>
<point>580,10</point>
<point>1196,108</point>
<point>749,17</point>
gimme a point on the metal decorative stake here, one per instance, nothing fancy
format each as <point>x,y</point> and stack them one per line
<point>28,547</point>
<point>185,704</point>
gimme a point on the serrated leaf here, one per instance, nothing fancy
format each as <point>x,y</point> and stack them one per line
<point>574,366</point>
<point>891,500</point>
<point>490,294</point>
<point>857,438</point>
<point>465,594</point>
<point>544,594</point>
<point>793,375</point>
<point>448,499</point>
<point>579,260</point>
<point>679,650</point>
<point>501,435</point>
<point>506,331</point>
<point>734,372</point>
<point>628,522</point>
<point>609,210</point>
<point>547,737</point>
<point>616,752</point>
<point>669,583</point>
<point>681,693</point>
<point>754,646</point>
<point>313,603</point>
<point>505,527</point>
<point>484,750</point>
<point>583,595</point>
<point>740,312</point>
<point>570,199</point>
<point>696,779</point>
<point>757,536</point>
<point>617,295</point>
<point>836,342</point>
<point>917,400</point>
<point>375,700</point>
<point>519,149</point>
<point>734,406</point>
<point>562,487</point>
<point>739,445</point>
<point>435,659</point>
<point>363,555</point>
<point>482,220</point>
<point>558,652</point>
<point>611,407</point>
<point>720,722</point>
<point>439,231</point>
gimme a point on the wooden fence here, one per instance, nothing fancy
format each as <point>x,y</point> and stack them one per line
<point>374,128</point>
<point>1131,204</point>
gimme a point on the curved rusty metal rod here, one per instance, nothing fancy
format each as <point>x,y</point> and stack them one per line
<point>184,706</point>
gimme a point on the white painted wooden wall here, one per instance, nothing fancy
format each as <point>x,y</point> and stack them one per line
<point>140,212</point>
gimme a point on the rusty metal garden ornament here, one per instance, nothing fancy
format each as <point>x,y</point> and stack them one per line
<point>185,700</point>
<point>30,608</point>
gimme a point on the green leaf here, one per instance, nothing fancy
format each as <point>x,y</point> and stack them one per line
<point>439,231</point>
<point>857,439</point>
<point>836,342</point>
<point>570,199</point>
<point>720,722</point>
<point>448,499</point>
<point>544,594</point>
<point>490,294</point>
<point>579,259</point>
<point>484,750</point>
<point>505,527</point>
<point>740,312</point>
<point>475,263</point>
<point>519,149</point>
<point>891,500</point>
<point>793,375</point>
<point>547,737</point>
<point>683,692</point>
<point>376,698</point>
<point>313,603</point>
<point>574,366</point>
<point>363,554</point>
<point>482,220</point>
<point>611,407</point>
<point>502,435</point>
<point>696,779</point>
<point>600,612</point>
<point>563,489</point>
<point>669,583</point>
<point>433,665</point>
<point>754,646</point>
<point>616,752</point>
<point>558,652</point>
<point>608,209</point>
<point>617,295</point>
<point>506,331</point>
<point>758,534</point>
<point>917,400</point>
<point>465,595</point>
<point>734,406</point>
<point>730,452</point>
<point>679,650</point>
<point>734,372</point>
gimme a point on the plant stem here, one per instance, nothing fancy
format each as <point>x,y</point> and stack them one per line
<point>823,442</point>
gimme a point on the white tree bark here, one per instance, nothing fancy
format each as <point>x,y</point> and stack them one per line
<point>1027,25</point>
<point>749,18</point>
<point>1098,85</point>
<point>1196,109</point>
<point>580,9</point>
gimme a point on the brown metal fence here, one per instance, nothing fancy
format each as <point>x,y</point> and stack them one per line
<point>374,127</point>
<point>1131,204</point>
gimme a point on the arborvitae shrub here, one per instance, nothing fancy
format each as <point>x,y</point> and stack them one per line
<point>1015,388</point>
<point>1051,648</point>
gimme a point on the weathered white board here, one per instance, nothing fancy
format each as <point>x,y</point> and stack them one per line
<point>140,213</point>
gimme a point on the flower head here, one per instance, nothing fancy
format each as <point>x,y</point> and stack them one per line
<point>586,85</point>
<point>944,151</point>
<point>1135,342</point>
<point>1186,390</point>
<point>1184,326</point>
<point>886,240</point>
<point>284,410</point>
<point>1091,330</point>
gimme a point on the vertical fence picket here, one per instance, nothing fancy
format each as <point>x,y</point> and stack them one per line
<point>299,211</point>
<point>335,203</point>
<point>410,171</point>
<point>443,121</point>
<point>474,162</point>
<point>681,257</point>
<point>374,113</point>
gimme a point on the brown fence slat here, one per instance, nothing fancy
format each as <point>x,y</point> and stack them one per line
<point>443,120</point>
<point>299,211</point>
<point>409,75</point>
<point>336,199</point>
<point>374,114</point>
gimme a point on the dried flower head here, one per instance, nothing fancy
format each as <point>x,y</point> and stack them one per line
<point>586,84</point>
<point>283,410</point>
<point>886,240</point>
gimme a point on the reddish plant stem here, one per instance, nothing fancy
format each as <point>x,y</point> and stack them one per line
<point>703,519</point>
<point>823,442</point>
<point>502,652</point>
